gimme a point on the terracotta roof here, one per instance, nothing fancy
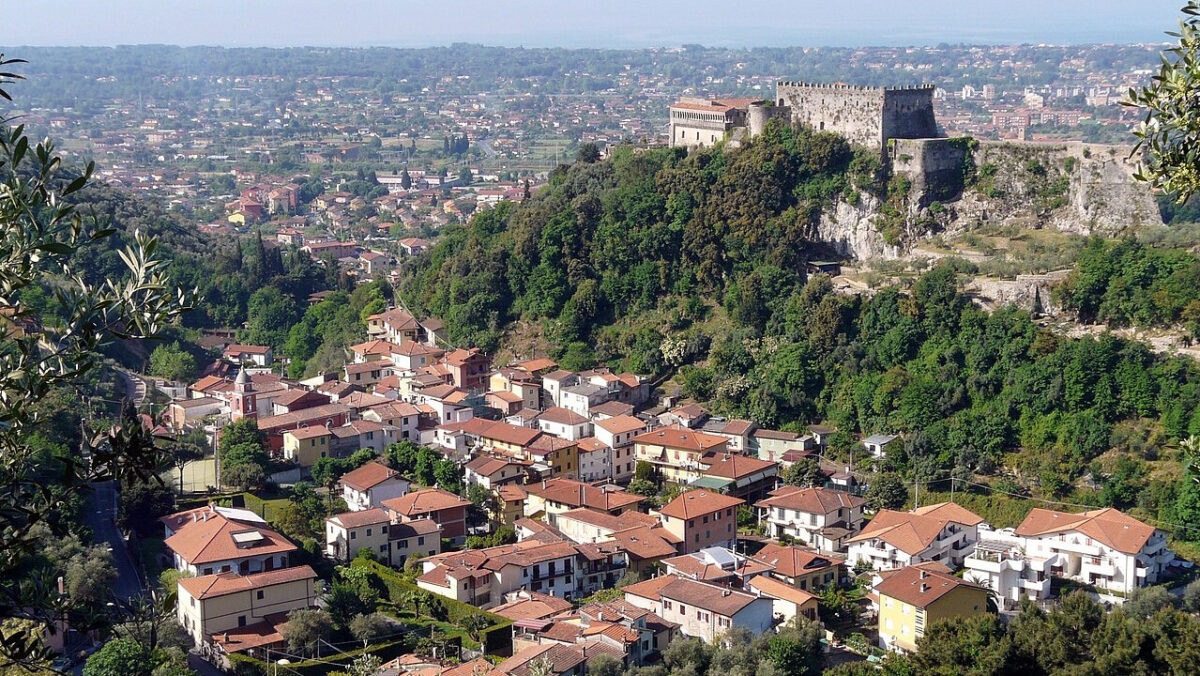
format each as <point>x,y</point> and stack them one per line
<point>408,529</point>
<point>1109,526</point>
<point>292,396</point>
<point>212,540</point>
<point>647,543</point>
<point>610,522</point>
<point>737,427</point>
<point>775,434</point>
<point>425,501</point>
<point>769,586</point>
<point>681,438</point>
<point>460,357</point>
<point>368,517</point>
<point>209,586</point>
<point>532,365</point>
<point>296,418</point>
<point>621,424</point>
<point>396,409</point>
<point>793,561</point>
<point>612,408</point>
<point>511,493</point>
<point>506,396</point>
<point>207,382</point>
<point>736,466</point>
<point>715,105</point>
<point>811,500</point>
<point>369,476</point>
<point>310,432</point>
<point>591,445</point>
<point>398,320</point>
<point>411,348</point>
<point>908,532</point>
<point>487,465</point>
<point>696,503</point>
<point>246,349</point>
<point>545,444</point>
<point>649,589</point>
<point>578,494</point>
<point>713,598</point>
<point>950,511</point>
<point>921,586</point>
<point>562,416</point>
<point>559,375</point>
<point>374,347</point>
<point>535,606</point>
<point>510,434</point>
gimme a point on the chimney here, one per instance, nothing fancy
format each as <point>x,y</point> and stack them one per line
<point>726,592</point>
<point>924,587</point>
<point>543,484</point>
<point>227,637</point>
<point>924,574</point>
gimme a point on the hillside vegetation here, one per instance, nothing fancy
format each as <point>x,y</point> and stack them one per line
<point>690,266</point>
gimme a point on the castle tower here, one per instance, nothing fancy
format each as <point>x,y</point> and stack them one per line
<point>243,403</point>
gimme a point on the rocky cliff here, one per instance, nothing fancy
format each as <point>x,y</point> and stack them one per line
<point>958,185</point>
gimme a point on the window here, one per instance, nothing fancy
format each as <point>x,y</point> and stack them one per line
<point>421,541</point>
<point>259,595</point>
<point>383,528</point>
<point>402,544</point>
<point>383,549</point>
<point>368,532</point>
<point>705,519</point>
<point>353,535</point>
<point>241,620</point>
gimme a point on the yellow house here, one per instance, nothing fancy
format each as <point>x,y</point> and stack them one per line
<point>676,451</point>
<point>306,444</point>
<point>233,610</point>
<point>912,598</point>
<point>560,454</point>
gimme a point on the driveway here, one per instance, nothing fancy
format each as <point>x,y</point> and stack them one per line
<point>102,515</point>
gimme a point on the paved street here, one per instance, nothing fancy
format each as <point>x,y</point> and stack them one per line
<point>102,520</point>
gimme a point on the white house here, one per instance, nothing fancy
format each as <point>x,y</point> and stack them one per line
<point>877,444</point>
<point>1104,547</point>
<point>564,423</point>
<point>999,563</point>
<point>368,486</point>
<point>818,517</point>
<point>944,532</point>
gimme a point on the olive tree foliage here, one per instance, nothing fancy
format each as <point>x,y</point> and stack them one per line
<point>1169,136</point>
<point>39,231</point>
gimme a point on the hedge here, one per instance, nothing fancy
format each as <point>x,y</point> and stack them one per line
<point>496,639</point>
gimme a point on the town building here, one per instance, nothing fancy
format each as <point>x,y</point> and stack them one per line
<point>944,533</point>
<point>818,517</point>
<point>239,613</point>
<point>702,519</point>
<point>206,541</point>
<point>368,486</point>
<point>442,507</point>
<point>914,597</point>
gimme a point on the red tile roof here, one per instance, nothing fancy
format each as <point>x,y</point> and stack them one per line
<point>209,586</point>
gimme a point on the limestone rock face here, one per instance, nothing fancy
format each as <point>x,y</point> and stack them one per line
<point>851,230</point>
<point>1086,189</point>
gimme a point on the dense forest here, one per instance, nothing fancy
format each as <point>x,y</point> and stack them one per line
<point>688,267</point>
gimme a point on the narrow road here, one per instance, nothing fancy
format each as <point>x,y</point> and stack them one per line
<point>135,388</point>
<point>102,519</point>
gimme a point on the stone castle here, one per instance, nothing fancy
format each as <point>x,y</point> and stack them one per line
<point>866,116</point>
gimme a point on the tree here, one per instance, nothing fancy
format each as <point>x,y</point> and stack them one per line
<point>405,179</point>
<point>241,432</point>
<point>1191,597</point>
<point>805,472</point>
<point>142,504</point>
<point>369,628</point>
<point>886,491</point>
<point>1146,601</point>
<point>244,476</point>
<point>604,665</point>
<point>120,657</point>
<point>588,153</point>
<point>172,362</point>
<point>973,645</point>
<point>365,665</point>
<point>306,628</point>
<point>89,577</point>
<point>42,231</point>
<point>1169,136</point>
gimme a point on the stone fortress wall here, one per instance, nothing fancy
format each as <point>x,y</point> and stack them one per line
<point>866,116</point>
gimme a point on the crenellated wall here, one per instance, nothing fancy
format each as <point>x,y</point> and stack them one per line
<point>866,116</point>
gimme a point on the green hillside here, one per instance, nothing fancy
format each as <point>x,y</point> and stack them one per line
<point>690,266</point>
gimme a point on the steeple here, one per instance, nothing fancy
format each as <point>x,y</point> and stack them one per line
<point>243,402</point>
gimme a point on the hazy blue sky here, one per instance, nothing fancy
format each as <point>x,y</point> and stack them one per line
<point>590,23</point>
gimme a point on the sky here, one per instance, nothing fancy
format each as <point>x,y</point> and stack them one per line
<point>582,23</point>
